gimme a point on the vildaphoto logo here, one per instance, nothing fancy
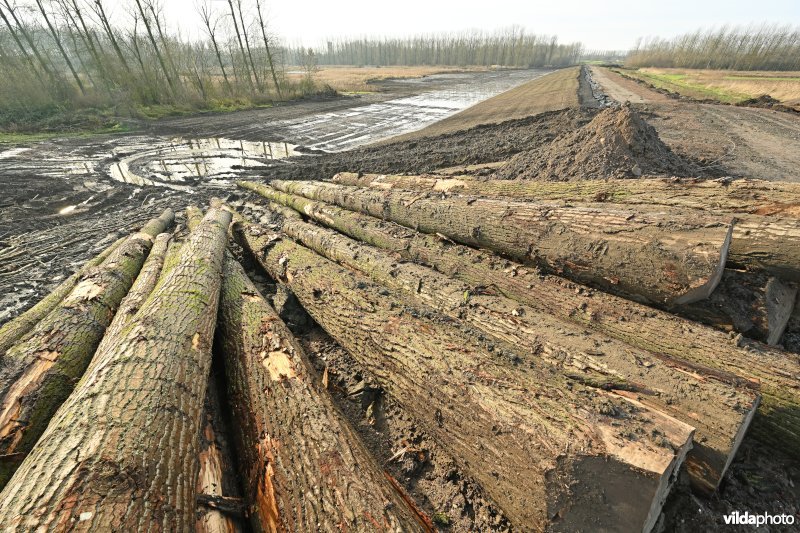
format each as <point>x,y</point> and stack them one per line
<point>737,518</point>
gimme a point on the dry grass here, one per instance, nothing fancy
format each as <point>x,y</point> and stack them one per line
<point>557,90</point>
<point>360,79</point>
<point>729,86</point>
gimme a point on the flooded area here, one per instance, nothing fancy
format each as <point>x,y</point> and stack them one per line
<point>63,198</point>
<point>182,153</point>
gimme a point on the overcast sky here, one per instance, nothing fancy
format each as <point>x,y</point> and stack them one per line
<point>599,24</point>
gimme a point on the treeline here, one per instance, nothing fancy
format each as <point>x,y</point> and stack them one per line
<point>58,55</point>
<point>510,48</point>
<point>765,47</point>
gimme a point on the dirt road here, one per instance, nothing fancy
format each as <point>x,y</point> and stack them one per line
<point>728,140</point>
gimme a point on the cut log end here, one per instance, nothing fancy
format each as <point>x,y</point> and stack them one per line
<point>704,290</point>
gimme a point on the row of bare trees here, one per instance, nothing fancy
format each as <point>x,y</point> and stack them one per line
<point>764,47</point>
<point>511,47</point>
<point>71,54</point>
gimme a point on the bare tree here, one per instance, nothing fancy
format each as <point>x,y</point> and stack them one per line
<point>270,61</point>
<point>60,47</point>
<point>204,8</point>
<point>241,44</point>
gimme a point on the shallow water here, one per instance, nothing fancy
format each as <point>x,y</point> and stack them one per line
<point>183,163</point>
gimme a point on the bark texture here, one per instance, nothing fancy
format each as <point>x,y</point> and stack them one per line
<point>121,453</point>
<point>765,236</point>
<point>15,329</point>
<point>39,373</point>
<point>220,506</point>
<point>650,256</point>
<point>303,467</point>
<point>757,197</point>
<point>720,411</point>
<point>686,344</point>
<point>533,439</point>
<point>141,289</point>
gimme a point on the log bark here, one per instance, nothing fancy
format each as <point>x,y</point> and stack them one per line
<point>719,411</point>
<point>121,453</point>
<point>220,506</point>
<point>756,197</point>
<point>540,445</point>
<point>39,373</point>
<point>140,290</point>
<point>15,329</point>
<point>302,465</point>
<point>766,234</point>
<point>650,256</point>
<point>686,344</point>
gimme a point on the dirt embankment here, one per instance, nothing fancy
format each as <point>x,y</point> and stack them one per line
<point>480,144</point>
<point>617,143</point>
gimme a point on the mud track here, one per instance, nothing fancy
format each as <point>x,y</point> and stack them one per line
<point>728,140</point>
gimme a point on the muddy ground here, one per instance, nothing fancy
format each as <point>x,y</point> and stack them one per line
<point>63,201</point>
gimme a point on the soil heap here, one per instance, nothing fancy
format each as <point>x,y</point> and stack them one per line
<point>617,143</point>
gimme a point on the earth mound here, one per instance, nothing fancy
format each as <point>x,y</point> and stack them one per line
<point>617,143</point>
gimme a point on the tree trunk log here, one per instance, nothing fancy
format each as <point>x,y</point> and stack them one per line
<point>720,412</point>
<point>738,196</point>
<point>141,289</point>
<point>541,445</point>
<point>220,506</point>
<point>688,345</point>
<point>121,453</point>
<point>15,329</point>
<point>647,256</point>
<point>302,465</point>
<point>765,236</point>
<point>39,373</point>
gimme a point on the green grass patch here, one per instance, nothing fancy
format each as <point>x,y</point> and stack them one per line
<point>679,83</point>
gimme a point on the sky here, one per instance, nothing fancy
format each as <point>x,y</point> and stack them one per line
<point>607,24</point>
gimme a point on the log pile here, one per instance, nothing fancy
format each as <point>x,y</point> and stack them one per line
<point>538,335</point>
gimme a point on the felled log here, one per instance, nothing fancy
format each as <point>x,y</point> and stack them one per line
<point>121,453</point>
<point>220,506</point>
<point>38,373</point>
<point>758,197</point>
<point>538,443</point>
<point>752,303</point>
<point>15,329</point>
<point>685,344</point>
<point>767,243</point>
<point>302,466</point>
<point>141,289</point>
<point>765,236</point>
<point>720,412</point>
<point>650,256</point>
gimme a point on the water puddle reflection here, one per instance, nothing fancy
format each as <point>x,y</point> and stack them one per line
<point>180,162</point>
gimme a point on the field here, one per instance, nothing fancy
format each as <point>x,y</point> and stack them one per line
<point>728,86</point>
<point>349,79</point>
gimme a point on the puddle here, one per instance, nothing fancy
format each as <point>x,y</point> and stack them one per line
<point>180,162</point>
<point>13,152</point>
<point>341,130</point>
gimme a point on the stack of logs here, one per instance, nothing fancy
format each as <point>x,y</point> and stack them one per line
<point>537,332</point>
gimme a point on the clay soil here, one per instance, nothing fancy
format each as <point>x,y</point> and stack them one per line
<point>500,137</point>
